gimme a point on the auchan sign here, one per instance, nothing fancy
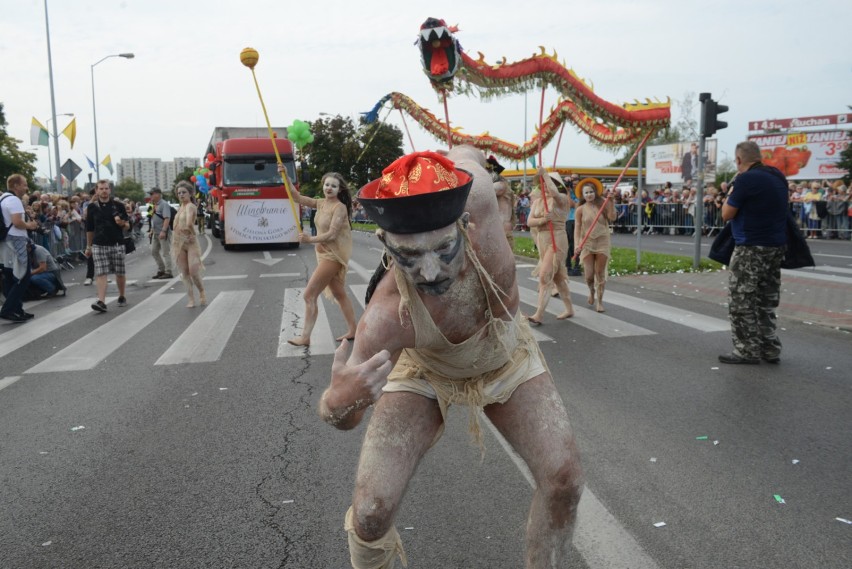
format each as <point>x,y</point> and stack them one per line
<point>802,122</point>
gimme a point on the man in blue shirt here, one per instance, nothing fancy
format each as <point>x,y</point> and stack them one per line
<point>757,210</point>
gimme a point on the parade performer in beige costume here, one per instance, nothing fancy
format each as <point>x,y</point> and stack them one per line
<point>442,327</point>
<point>551,270</point>
<point>596,250</point>
<point>505,199</point>
<point>185,250</point>
<point>334,247</point>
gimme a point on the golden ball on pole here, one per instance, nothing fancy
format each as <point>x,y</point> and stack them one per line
<point>249,57</point>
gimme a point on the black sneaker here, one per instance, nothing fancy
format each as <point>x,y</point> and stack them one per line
<point>122,302</point>
<point>14,318</point>
<point>99,306</point>
<point>159,275</point>
<point>25,315</point>
<point>167,275</point>
<point>772,360</point>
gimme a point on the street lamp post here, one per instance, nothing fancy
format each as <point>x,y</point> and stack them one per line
<point>94,113</point>
<point>55,141</point>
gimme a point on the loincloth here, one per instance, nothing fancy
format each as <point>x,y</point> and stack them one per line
<point>476,392</point>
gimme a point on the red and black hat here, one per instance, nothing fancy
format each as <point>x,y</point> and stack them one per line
<point>419,192</point>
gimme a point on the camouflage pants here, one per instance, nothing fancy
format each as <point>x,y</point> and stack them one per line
<point>755,287</point>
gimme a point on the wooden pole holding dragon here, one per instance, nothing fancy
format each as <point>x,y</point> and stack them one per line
<point>541,181</point>
<point>617,181</point>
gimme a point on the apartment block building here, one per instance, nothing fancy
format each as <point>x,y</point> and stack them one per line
<point>151,172</point>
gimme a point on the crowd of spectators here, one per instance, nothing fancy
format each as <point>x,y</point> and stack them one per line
<point>61,235</point>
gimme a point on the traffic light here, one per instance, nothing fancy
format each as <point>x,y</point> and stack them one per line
<point>712,110</point>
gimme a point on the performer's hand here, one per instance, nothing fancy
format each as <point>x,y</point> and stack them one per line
<point>305,237</point>
<point>363,382</point>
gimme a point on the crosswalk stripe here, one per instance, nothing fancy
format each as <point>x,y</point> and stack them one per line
<point>658,310</point>
<point>7,381</point>
<point>91,349</point>
<point>205,338</point>
<point>38,327</point>
<point>360,270</point>
<point>589,319</point>
<point>292,320</point>
<point>360,291</point>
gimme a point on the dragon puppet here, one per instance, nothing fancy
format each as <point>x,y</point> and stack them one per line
<point>450,69</point>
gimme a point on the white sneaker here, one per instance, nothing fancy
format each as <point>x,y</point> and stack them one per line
<point>87,282</point>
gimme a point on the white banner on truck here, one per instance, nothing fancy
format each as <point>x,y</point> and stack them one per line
<point>678,162</point>
<point>259,221</point>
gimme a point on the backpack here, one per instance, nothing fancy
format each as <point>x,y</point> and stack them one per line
<point>4,229</point>
<point>172,213</point>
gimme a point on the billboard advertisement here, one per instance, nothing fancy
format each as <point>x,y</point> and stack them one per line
<point>801,122</point>
<point>804,155</point>
<point>678,162</point>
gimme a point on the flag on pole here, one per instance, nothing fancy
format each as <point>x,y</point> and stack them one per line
<point>71,131</point>
<point>91,164</point>
<point>38,134</point>
<point>107,161</point>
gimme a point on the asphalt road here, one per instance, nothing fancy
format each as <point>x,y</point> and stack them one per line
<point>115,452</point>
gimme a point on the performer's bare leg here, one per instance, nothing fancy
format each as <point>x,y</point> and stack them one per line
<point>589,275</point>
<point>321,278</point>
<point>535,423</point>
<point>545,280</point>
<point>339,292</point>
<point>561,283</point>
<point>400,432</point>
<point>600,280</point>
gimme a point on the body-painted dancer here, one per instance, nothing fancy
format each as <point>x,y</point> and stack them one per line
<point>442,327</point>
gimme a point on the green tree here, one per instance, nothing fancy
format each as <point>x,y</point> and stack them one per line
<point>130,189</point>
<point>358,152</point>
<point>185,175</point>
<point>13,160</point>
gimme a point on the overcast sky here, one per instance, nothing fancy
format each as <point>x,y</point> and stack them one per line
<point>762,58</point>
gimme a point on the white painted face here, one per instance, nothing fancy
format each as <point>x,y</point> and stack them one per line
<point>431,261</point>
<point>330,187</point>
<point>589,193</point>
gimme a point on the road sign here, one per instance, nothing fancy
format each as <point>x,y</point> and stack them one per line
<point>70,170</point>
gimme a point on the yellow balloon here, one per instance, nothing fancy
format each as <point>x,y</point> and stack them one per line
<point>249,57</point>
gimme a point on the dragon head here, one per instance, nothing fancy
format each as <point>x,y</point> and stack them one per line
<point>440,52</point>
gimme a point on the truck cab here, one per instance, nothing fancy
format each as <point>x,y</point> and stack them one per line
<point>249,201</point>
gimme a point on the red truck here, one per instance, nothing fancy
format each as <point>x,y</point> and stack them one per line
<point>248,201</point>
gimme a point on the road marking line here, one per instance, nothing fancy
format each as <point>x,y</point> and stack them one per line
<point>598,536</point>
<point>91,349</point>
<point>225,277</point>
<point>809,274</point>
<point>662,311</point>
<point>360,270</point>
<point>829,255</point>
<point>7,381</point>
<point>270,275</point>
<point>589,319</point>
<point>360,292</point>
<point>292,320</point>
<point>206,337</point>
<point>830,269</point>
<point>38,327</point>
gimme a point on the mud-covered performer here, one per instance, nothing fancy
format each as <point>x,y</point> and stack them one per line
<point>442,327</point>
<point>505,199</point>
